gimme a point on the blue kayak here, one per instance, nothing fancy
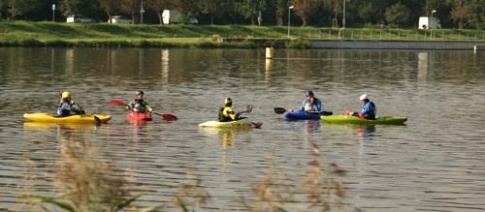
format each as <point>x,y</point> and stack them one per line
<point>300,115</point>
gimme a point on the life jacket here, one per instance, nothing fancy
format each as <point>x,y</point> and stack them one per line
<point>222,117</point>
<point>66,108</point>
<point>371,115</point>
<point>139,106</point>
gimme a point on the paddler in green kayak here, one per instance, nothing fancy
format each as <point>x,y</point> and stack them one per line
<point>226,113</point>
<point>67,107</point>
<point>139,105</point>
<point>368,110</point>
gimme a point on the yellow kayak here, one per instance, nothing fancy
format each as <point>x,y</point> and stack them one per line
<point>84,118</point>
<point>231,124</point>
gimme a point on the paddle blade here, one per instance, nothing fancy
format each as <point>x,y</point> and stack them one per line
<point>169,117</point>
<point>255,124</point>
<point>97,120</point>
<point>279,110</point>
<point>117,102</point>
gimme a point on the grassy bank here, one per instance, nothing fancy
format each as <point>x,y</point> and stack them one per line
<point>207,36</point>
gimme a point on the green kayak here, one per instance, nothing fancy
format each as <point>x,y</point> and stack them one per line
<point>344,119</point>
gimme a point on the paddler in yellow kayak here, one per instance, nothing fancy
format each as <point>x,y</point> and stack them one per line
<point>67,107</point>
<point>226,113</point>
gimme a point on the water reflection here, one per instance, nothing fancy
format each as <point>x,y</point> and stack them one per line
<point>422,66</point>
<point>305,126</point>
<point>366,131</point>
<point>59,126</point>
<point>225,136</point>
<point>268,66</point>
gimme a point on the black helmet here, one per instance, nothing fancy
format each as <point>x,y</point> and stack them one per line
<point>309,93</point>
<point>140,93</point>
<point>228,100</point>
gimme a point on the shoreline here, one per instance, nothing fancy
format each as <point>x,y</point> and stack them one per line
<point>418,45</point>
<point>254,43</point>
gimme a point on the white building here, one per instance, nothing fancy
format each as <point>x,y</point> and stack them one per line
<point>174,17</point>
<point>429,23</point>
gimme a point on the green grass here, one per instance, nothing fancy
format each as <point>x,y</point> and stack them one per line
<point>20,33</point>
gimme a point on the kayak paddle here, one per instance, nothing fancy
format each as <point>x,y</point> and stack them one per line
<point>280,110</point>
<point>165,116</point>
<point>96,119</point>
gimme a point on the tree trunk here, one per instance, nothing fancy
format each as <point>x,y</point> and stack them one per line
<point>160,19</point>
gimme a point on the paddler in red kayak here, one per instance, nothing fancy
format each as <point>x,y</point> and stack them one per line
<point>368,110</point>
<point>67,107</point>
<point>138,104</point>
<point>226,113</point>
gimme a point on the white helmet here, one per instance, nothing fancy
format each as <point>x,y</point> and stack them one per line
<point>363,96</point>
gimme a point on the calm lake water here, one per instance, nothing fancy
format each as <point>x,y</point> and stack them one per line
<point>436,162</point>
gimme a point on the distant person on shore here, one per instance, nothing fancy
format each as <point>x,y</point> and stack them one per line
<point>226,113</point>
<point>67,107</point>
<point>368,110</point>
<point>139,105</point>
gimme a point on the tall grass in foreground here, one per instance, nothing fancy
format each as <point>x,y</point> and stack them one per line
<point>84,182</point>
<point>318,189</point>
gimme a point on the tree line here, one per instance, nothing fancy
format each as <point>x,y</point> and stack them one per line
<point>357,13</point>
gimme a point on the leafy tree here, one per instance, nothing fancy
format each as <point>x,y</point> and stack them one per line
<point>336,8</point>
<point>189,8</point>
<point>110,7</point>
<point>215,8</point>
<point>397,14</point>
<point>3,8</point>
<point>477,13</point>
<point>366,12</point>
<point>304,9</point>
<point>459,13</point>
<point>24,7</point>
<point>131,7</point>
<point>90,8</point>
<point>251,8</point>
<point>158,6</point>
<point>281,7</point>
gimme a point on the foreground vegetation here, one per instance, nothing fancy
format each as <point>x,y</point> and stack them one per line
<point>81,179</point>
<point>33,34</point>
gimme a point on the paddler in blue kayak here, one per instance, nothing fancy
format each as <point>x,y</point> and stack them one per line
<point>368,110</point>
<point>67,107</point>
<point>139,105</point>
<point>226,113</point>
<point>310,104</point>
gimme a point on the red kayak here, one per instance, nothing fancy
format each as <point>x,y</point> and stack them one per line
<point>134,116</point>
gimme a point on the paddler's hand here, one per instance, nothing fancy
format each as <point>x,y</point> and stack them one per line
<point>249,108</point>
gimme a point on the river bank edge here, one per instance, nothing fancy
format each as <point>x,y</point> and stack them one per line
<point>250,43</point>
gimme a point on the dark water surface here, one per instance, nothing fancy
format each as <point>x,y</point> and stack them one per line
<point>436,162</point>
